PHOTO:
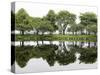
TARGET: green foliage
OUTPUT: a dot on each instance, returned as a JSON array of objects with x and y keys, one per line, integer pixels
[
  {"x": 46, "y": 52},
  {"x": 45, "y": 26},
  {"x": 25, "y": 53},
  {"x": 56, "y": 37},
  {"x": 22, "y": 20},
  {"x": 88, "y": 55},
  {"x": 52, "y": 22},
  {"x": 41, "y": 25},
  {"x": 74, "y": 28},
  {"x": 66, "y": 17},
  {"x": 51, "y": 17},
  {"x": 63, "y": 19},
  {"x": 65, "y": 58},
  {"x": 88, "y": 18},
  {"x": 52, "y": 53},
  {"x": 92, "y": 28}
]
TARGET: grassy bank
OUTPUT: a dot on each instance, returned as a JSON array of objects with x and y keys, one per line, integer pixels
[{"x": 56, "y": 37}]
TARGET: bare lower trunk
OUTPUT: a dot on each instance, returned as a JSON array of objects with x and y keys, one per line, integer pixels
[
  {"x": 22, "y": 43},
  {"x": 22, "y": 32},
  {"x": 37, "y": 43},
  {"x": 89, "y": 44},
  {"x": 63, "y": 32},
  {"x": 37, "y": 32}
]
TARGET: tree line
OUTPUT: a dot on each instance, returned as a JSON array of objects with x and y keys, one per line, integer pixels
[
  {"x": 63, "y": 21},
  {"x": 56, "y": 53}
]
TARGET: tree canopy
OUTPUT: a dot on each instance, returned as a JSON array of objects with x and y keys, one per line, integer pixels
[
  {"x": 65, "y": 18},
  {"x": 52, "y": 22},
  {"x": 22, "y": 20}
]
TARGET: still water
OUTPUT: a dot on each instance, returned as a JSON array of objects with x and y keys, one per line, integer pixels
[{"x": 38, "y": 56}]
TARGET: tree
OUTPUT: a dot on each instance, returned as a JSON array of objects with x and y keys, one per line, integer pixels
[
  {"x": 46, "y": 52},
  {"x": 36, "y": 22},
  {"x": 41, "y": 25},
  {"x": 64, "y": 18},
  {"x": 22, "y": 21},
  {"x": 51, "y": 17},
  {"x": 80, "y": 28},
  {"x": 88, "y": 55},
  {"x": 92, "y": 29},
  {"x": 88, "y": 19},
  {"x": 74, "y": 28},
  {"x": 45, "y": 26}
]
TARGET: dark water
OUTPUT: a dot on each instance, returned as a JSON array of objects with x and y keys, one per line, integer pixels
[{"x": 36, "y": 56}]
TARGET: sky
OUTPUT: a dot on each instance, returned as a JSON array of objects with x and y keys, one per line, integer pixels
[{"x": 36, "y": 9}]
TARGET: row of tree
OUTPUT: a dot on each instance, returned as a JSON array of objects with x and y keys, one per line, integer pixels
[
  {"x": 56, "y": 53},
  {"x": 63, "y": 21}
]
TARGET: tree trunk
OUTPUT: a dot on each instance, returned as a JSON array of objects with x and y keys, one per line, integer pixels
[
  {"x": 89, "y": 44},
  {"x": 37, "y": 32},
  {"x": 22, "y": 43},
  {"x": 37, "y": 43},
  {"x": 42, "y": 42},
  {"x": 81, "y": 44},
  {"x": 50, "y": 42},
  {"x": 64, "y": 47},
  {"x": 73, "y": 33},
  {"x": 22, "y": 32},
  {"x": 95, "y": 44},
  {"x": 42, "y": 33},
  {"x": 88, "y": 33},
  {"x": 63, "y": 31}
]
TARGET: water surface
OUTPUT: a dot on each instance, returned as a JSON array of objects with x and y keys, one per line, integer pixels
[{"x": 37, "y": 56}]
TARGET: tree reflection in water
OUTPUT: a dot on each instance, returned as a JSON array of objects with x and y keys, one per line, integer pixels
[
  {"x": 57, "y": 53},
  {"x": 88, "y": 55}
]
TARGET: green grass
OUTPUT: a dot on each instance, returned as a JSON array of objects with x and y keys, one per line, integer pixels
[{"x": 56, "y": 37}]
